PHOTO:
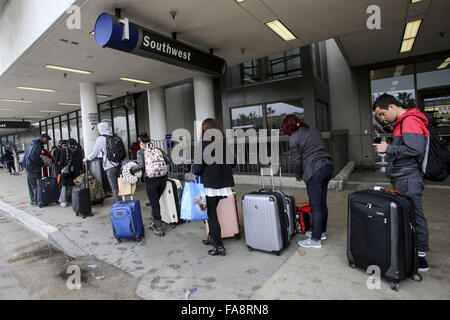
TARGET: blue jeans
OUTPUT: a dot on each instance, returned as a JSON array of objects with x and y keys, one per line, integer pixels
[{"x": 317, "y": 188}]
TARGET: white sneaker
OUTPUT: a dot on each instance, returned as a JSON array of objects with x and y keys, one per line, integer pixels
[
  {"x": 309, "y": 235},
  {"x": 309, "y": 243},
  {"x": 64, "y": 205}
]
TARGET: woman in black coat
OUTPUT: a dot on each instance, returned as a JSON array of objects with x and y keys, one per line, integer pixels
[
  {"x": 218, "y": 181},
  {"x": 72, "y": 155}
]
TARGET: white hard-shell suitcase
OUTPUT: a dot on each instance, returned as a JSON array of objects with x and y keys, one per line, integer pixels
[
  {"x": 170, "y": 202},
  {"x": 266, "y": 222}
]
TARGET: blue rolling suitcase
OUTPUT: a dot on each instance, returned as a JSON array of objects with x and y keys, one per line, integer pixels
[
  {"x": 47, "y": 190},
  {"x": 126, "y": 220}
]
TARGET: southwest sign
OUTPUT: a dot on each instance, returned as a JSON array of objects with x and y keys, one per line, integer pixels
[
  {"x": 14, "y": 125},
  {"x": 115, "y": 33}
]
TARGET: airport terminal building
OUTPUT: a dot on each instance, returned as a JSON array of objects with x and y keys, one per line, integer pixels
[{"x": 157, "y": 66}]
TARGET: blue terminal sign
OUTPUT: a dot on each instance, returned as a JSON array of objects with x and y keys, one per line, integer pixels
[{"x": 120, "y": 34}]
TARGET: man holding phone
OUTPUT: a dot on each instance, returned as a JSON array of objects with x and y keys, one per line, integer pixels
[{"x": 406, "y": 154}]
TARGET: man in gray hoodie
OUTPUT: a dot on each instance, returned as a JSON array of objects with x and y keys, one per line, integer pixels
[{"x": 112, "y": 168}]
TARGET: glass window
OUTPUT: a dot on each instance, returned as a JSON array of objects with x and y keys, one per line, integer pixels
[
  {"x": 433, "y": 74},
  {"x": 65, "y": 128},
  {"x": 250, "y": 72},
  {"x": 105, "y": 112},
  {"x": 73, "y": 129},
  {"x": 132, "y": 125},
  {"x": 120, "y": 124},
  {"x": 80, "y": 126},
  {"x": 57, "y": 126},
  {"x": 247, "y": 117},
  {"x": 276, "y": 112},
  {"x": 50, "y": 132},
  {"x": 285, "y": 64}
]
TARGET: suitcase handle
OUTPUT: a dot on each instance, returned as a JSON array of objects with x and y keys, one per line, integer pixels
[{"x": 262, "y": 167}]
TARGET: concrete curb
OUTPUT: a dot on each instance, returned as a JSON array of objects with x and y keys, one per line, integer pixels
[
  {"x": 341, "y": 178},
  {"x": 53, "y": 235}
]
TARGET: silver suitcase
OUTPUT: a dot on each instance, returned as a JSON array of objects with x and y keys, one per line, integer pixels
[{"x": 266, "y": 223}]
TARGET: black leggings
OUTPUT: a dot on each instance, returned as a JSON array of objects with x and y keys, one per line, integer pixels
[
  {"x": 214, "y": 227},
  {"x": 155, "y": 188}
]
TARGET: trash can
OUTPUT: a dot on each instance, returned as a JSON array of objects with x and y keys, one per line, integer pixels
[{"x": 96, "y": 167}]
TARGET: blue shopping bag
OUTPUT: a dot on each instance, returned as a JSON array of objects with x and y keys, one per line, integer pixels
[{"x": 193, "y": 201}]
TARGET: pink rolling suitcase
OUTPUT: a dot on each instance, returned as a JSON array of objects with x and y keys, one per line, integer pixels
[{"x": 228, "y": 218}]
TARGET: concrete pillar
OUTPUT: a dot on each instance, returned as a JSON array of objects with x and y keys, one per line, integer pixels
[
  {"x": 157, "y": 114},
  {"x": 204, "y": 102},
  {"x": 89, "y": 115}
]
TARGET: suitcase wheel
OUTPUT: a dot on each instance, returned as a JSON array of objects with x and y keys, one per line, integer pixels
[
  {"x": 352, "y": 265},
  {"x": 119, "y": 240},
  {"x": 278, "y": 253},
  {"x": 174, "y": 226},
  {"x": 138, "y": 239},
  {"x": 237, "y": 237},
  {"x": 250, "y": 249},
  {"x": 417, "y": 277},
  {"x": 395, "y": 285}
]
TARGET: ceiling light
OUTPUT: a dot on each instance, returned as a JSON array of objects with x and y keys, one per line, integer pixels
[
  {"x": 407, "y": 45},
  {"x": 49, "y": 111},
  {"x": 69, "y": 104},
  {"x": 279, "y": 28},
  {"x": 33, "y": 116},
  {"x": 36, "y": 89},
  {"x": 5, "y": 109},
  {"x": 412, "y": 28},
  {"x": 92, "y": 32},
  {"x": 447, "y": 60},
  {"x": 13, "y": 100},
  {"x": 49, "y": 66},
  {"x": 414, "y": 1},
  {"x": 239, "y": 1},
  {"x": 134, "y": 80}
]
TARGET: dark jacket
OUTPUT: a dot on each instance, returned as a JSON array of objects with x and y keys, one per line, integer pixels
[
  {"x": 408, "y": 147},
  {"x": 308, "y": 153},
  {"x": 8, "y": 156},
  {"x": 141, "y": 161},
  {"x": 32, "y": 157},
  {"x": 215, "y": 176},
  {"x": 77, "y": 165},
  {"x": 57, "y": 153}
]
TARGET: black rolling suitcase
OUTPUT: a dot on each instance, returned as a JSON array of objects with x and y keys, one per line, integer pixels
[
  {"x": 81, "y": 199},
  {"x": 381, "y": 232},
  {"x": 47, "y": 190}
]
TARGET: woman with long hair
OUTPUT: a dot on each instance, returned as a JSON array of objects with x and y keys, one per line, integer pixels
[
  {"x": 154, "y": 186},
  {"x": 217, "y": 177},
  {"x": 314, "y": 165}
]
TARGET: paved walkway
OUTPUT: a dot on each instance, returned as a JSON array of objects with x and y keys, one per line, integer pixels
[{"x": 166, "y": 267}]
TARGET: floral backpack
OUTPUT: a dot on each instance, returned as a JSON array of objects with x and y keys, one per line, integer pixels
[{"x": 155, "y": 166}]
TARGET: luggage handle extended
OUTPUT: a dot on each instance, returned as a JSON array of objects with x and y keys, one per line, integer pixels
[
  {"x": 262, "y": 167},
  {"x": 48, "y": 172},
  {"x": 86, "y": 182}
]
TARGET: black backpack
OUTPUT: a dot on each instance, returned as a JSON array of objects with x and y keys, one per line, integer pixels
[
  {"x": 115, "y": 149},
  {"x": 435, "y": 165}
]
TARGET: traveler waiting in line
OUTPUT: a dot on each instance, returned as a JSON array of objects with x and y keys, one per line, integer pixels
[
  {"x": 8, "y": 158},
  {"x": 218, "y": 181},
  {"x": 72, "y": 157},
  {"x": 314, "y": 165},
  {"x": 156, "y": 185},
  {"x": 32, "y": 164},
  {"x": 406, "y": 154},
  {"x": 57, "y": 154},
  {"x": 112, "y": 168}
]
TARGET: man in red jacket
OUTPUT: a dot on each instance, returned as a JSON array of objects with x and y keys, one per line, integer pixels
[{"x": 406, "y": 154}]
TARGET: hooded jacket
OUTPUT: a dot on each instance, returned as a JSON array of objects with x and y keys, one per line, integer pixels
[
  {"x": 407, "y": 150},
  {"x": 100, "y": 146},
  {"x": 32, "y": 157}
]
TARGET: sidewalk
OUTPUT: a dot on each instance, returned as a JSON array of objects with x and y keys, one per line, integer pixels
[{"x": 166, "y": 267}]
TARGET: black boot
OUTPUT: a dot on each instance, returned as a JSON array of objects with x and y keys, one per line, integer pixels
[
  {"x": 157, "y": 228},
  {"x": 218, "y": 249},
  {"x": 207, "y": 241}
]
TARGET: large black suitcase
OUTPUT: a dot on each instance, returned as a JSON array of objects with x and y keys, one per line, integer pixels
[
  {"x": 81, "y": 199},
  {"x": 47, "y": 190},
  {"x": 381, "y": 232}
]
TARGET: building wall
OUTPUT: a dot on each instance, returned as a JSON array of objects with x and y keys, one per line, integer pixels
[
  {"x": 142, "y": 113},
  {"x": 180, "y": 107},
  {"x": 349, "y": 104}
]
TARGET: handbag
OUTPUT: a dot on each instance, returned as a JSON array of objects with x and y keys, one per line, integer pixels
[
  {"x": 193, "y": 201},
  {"x": 65, "y": 171}
]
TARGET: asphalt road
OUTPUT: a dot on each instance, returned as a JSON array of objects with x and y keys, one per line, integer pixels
[{"x": 30, "y": 268}]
